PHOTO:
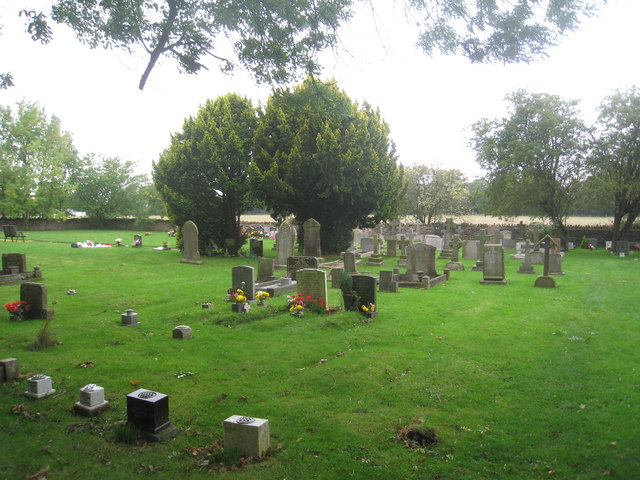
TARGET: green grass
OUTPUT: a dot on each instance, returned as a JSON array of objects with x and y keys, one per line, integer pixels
[{"x": 518, "y": 382}]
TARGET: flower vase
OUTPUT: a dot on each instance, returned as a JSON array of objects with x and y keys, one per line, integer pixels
[
  {"x": 370, "y": 314},
  {"x": 240, "y": 308},
  {"x": 262, "y": 302}
]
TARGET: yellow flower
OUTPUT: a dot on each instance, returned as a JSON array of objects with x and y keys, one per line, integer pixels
[
  {"x": 239, "y": 290},
  {"x": 364, "y": 308}
]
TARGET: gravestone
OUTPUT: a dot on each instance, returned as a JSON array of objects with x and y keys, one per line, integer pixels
[
  {"x": 403, "y": 244},
  {"x": 312, "y": 282},
  {"x": 555, "y": 263},
  {"x": 39, "y": 386},
  {"x": 129, "y": 318},
  {"x": 311, "y": 238},
  {"x": 149, "y": 411},
  {"x": 386, "y": 282},
  {"x": 545, "y": 280},
  {"x": 35, "y": 294},
  {"x": 421, "y": 260},
  {"x": 190, "y": 249},
  {"x": 298, "y": 263},
  {"x": 335, "y": 277},
  {"x": 137, "y": 241},
  {"x": 507, "y": 240},
  {"x": 622, "y": 246},
  {"x": 265, "y": 269},
  {"x": 246, "y": 436},
  {"x": 526, "y": 264},
  {"x": 366, "y": 244},
  {"x": 365, "y": 287},
  {"x": 433, "y": 240},
  {"x": 454, "y": 263},
  {"x": 243, "y": 277},
  {"x": 349, "y": 260},
  {"x": 446, "y": 239},
  {"x": 376, "y": 257},
  {"x": 392, "y": 247},
  {"x": 256, "y": 247},
  {"x": 182, "y": 332},
  {"x": 285, "y": 240},
  {"x": 482, "y": 241},
  {"x": 493, "y": 270},
  {"x": 13, "y": 263},
  {"x": 91, "y": 402},
  {"x": 470, "y": 249},
  {"x": 9, "y": 369}
]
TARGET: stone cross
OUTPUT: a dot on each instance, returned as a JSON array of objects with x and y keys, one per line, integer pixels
[
  {"x": 449, "y": 225},
  {"x": 536, "y": 236},
  {"x": 547, "y": 243},
  {"x": 403, "y": 243},
  {"x": 482, "y": 237},
  {"x": 455, "y": 248},
  {"x": 377, "y": 243}
]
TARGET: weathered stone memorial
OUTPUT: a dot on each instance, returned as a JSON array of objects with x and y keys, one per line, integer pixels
[
  {"x": 555, "y": 263},
  {"x": 454, "y": 263},
  {"x": 256, "y": 247},
  {"x": 298, "y": 263},
  {"x": 482, "y": 240},
  {"x": 446, "y": 239},
  {"x": 285, "y": 241},
  {"x": 366, "y": 244},
  {"x": 433, "y": 240},
  {"x": 243, "y": 277},
  {"x": 403, "y": 244},
  {"x": 336, "y": 273},
  {"x": 190, "y": 248},
  {"x": 265, "y": 269},
  {"x": 182, "y": 332},
  {"x": 349, "y": 260},
  {"x": 246, "y": 436},
  {"x": 365, "y": 288},
  {"x": 311, "y": 230},
  {"x": 386, "y": 282},
  {"x": 545, "y": 280},
  {"x": 9, "y": 369},
  {"x": 470, "y": 249},
  {"x": 526, "y": 266},
  {"x": 392, "y": 247},
  {"x": 35, "y": 294},
  {"x": 376, "y": 256},
  {"x": 149, "y": 411},
  {"x": 39, "y": 386},
  {"x": 493, "y": 269},
  {"x": 312, "y": 282},
  {"x": 129, "y": 318},
  {"x": 92, "y": 402}
]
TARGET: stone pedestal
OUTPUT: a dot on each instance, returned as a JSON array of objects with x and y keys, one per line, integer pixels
[
  {"x": 182, "y": 332},
  {"x": 240, "y": 308},
  {"x": 92, "y": 402},
  {"x": 9, "y": 369},
  {"x": 149, "y": 410},
  {"x": 39, "y": 386},
  {"x": 246, "y": 435},
  {"x": 129, "y": 318}
]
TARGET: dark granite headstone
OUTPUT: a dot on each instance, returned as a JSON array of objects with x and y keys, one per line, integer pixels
[
  {"x": 298, "y": 263},
  {"x": 148, "y": 410},
  {"x": 14, "y": 263},
  {"x": 243, "y": 276},
  {"x": 365, "y": 287},
  {"x": 35, "y": 294},
  {"x": 256, "y": 247}
]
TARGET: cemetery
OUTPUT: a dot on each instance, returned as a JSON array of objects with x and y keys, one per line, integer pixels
[{"x": 173, "y": 364}]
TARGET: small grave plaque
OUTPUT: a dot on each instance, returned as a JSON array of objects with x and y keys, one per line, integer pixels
[
  {"x": 248, "y": 436},
  {"x": 129, "y": 318},
  {"x": 92, "y": 401},
  {"x": 9, "y": 369},
  {"x": 39, "y": 386},
  {"x": 182, "y": 332},
  {"x": 148, "y": 410}
]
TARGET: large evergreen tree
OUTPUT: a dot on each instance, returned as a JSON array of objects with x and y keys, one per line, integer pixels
[
  {"x": 320, "y": 155},
  {"x": 203, "y": 177}
]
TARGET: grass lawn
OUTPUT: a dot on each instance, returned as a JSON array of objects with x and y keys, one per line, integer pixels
[{"x": 518, "y": 382}]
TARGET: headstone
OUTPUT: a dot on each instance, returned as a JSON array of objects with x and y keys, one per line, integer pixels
[
  {"x": 149, "y": 410},
  {"x": 137, "y": 241},
  {"x": 298, "y": 263},
  {"x": 392, "y": 250},
  {"x": 256, "y": 247},
  {"x": 246, "y": 436},
  {"x": 623, "y": 246},
  {"x": 386, "y": 282},
  {"x": 526, "y": 264},
  {"x": 335, "y": 277},
  {"x": 421, "y": 260},
  {"x": 365, "y": 287},
  {"x": 182, "y": 332},
  {"x": 129, "y": 318},
  {"x": 311, "y": 238},
  {"x": 376, "y": 257},
  {"x": 454, "y": 263},
  {"x": 39, "y": 386},
  {"x": 14, "y": 263},
  {"x": 91, "y": 402},
  {"x": 493, "y": 269},
  {"x": 349, "y": 260},
  {"x": 482, "y": 239},
  {"x": 312, "y": 282},
  {"x": 35, "y": 294},
  {"x": 9, "y": 369},
  {"x": 285, "y": 240},
  {"x": 433, "y": 240},
  {"x": 243, "y": 277},
  {"x": 545, "y": 280},
  {"x": 265, "y": 269},
  {"x": 403, "y": 244},
  {"x": 190, "y": 249},
  {"x": 366, "y": 244},
  {"x": 555, "y": 263},
  {"x": 446, "y": 239},
  {"x": 470, "y": 249}
]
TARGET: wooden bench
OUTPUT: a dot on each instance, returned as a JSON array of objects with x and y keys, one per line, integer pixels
[{"x": 11, "y": 232}]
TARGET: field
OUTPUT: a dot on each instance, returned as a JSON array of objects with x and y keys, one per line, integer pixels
[{"x": 517, "y": 382}]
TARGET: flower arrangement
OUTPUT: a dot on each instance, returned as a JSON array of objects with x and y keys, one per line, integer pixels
[
  {"x": 262, "y": 297},
  {"x": 17, "y": 309},
  {"x": 297, "y": 303},
  {"x": 368, "y": 308},
  {"x": 257, "y": 234},
  {"x": 236, "y": 295}
]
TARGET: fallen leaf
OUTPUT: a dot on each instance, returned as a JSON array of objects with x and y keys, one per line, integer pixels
[
  {"x": 135, "y": 383},
  {"x": 582, "y": 405}
]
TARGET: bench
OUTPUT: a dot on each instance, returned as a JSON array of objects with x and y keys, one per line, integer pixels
[{"x": 11, "y": 232}]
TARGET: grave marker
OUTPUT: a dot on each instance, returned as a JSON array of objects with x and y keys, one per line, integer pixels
[
  {"x": 39, "y": 386},
  {"x": 35, "y": 294},
  {"x": 298, "y": 263},
  {"x": 246, "y": 436},
  {"x": 190, "y": 249},
  {"x": 311, "y": 238},
  {"x": 9, "y": 369},
  {"x": 243, "y": 277},
  {"x": 493, "y": 269},
  {"x": 312, "y": 282},
  {"x": 544, "y": 280},
  {"x": 91, "y": 402},
  {"x": 149, "y": 410},
  {"x": 285, "y": 240}
]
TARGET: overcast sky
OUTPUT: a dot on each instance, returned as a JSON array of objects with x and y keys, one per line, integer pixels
[{"x": 429, "y": 103}]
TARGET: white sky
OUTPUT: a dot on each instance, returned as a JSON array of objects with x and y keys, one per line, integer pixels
[{"x": 429, "y": 103}]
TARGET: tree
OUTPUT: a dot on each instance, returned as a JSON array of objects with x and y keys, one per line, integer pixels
[
  {"x": 107, "y": 188},
  {"x": 37, "y": 163},
  {"x": 278, "y": 40},
  {"x": 616, "y": 160},
  {"x": 434, "y": 192},
  {"x": 320, "y": 155},
  {"x": 203, "y": 177},
  {"x": 534, "y": 158}
]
